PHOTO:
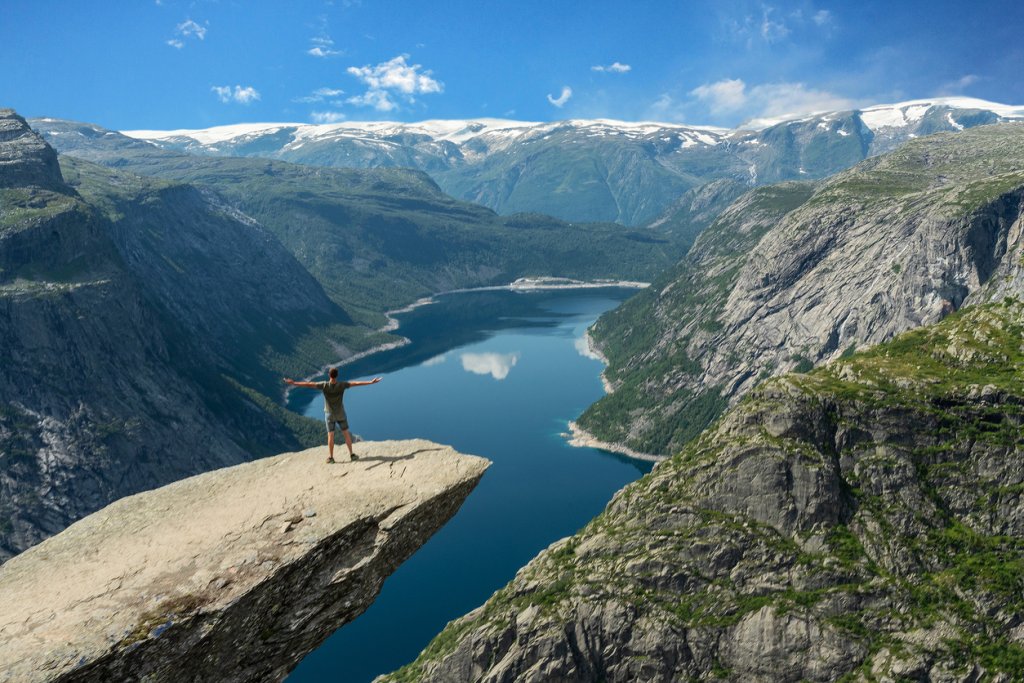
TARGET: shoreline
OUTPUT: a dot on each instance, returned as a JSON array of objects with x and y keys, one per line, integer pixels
[
  {"x": 523, "y": 284},
  {"x": 578, "y": 437},
  {"x": 581, "y": 438},
  {"x": 592, "y": 348}
]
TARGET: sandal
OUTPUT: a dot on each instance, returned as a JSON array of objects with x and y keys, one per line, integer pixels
[{"x": 330, "y": 461}]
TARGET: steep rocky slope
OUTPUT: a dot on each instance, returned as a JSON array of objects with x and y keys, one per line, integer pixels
[
  {"x": 232, "y": 575},
  {"x": 381, "y": 238},
  {"x": 109, "y": 383},
  {"x": 860, "y": 522},
  {"x": 593, "y": 170},
  {"x": 787, "y": 278}
]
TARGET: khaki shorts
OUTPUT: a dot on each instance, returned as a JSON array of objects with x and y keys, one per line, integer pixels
[{"x": 331, "y": 421}]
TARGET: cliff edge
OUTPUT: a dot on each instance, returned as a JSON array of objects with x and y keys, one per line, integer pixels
[{"x": 231, "y": 575}]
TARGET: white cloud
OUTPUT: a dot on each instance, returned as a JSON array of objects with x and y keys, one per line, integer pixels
[
  {"x": 723, "y": 96},
  {"x": 822, "y": 17},
  {"x": 190, "y": 28},
  {"x": 561, "y": 99},
  {"x": 396, "y": 74},
  {"x": 772, "y": 31},
  {"x": 322, "y": 52},
  {"x": 326, "y": 116},
  {"x": 959, "y": 85},
  {"x": 185, "y": 30},
  {"x": 319, "y": 95},
  {"x": 497, "y": 365},
  {"x": 614, "y": 68},
  {"x": 246, "y": 95},
  {"x": 378, "y": 99},
  {"x": 763, "y": 104},
  {"x": 436, "y": 360},
  {"x": 393, "y": 77}
]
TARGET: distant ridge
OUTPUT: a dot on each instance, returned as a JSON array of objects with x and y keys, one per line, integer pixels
[
  {"x": 460, "y": 130},
  {"x": 630, "y": 172}
]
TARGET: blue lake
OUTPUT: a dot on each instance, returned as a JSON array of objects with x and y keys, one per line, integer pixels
[{"x": 497, "y": 374}]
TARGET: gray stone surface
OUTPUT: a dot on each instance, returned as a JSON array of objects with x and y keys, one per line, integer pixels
[
  {"x": 225, "y": 576},
  {"x": 25, "y": 159}
]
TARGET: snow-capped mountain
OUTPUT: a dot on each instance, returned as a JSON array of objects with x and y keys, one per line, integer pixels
[{"x": 599, "y": 169}]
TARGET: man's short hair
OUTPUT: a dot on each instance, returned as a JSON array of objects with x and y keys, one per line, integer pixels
[{"x": 333, "y": 374}]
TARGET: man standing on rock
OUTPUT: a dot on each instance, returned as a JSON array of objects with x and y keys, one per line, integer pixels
[{"x": 334, "y": 410}]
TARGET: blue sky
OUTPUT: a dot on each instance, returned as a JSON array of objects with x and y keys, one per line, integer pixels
[{"x": 198, "y": 63}]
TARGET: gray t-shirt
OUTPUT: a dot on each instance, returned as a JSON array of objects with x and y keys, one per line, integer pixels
[{"x": 333, "y": 392}]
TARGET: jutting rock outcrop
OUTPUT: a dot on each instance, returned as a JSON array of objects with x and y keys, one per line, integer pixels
[
  {"x": 864, "y": 521},
  {"x": 231, "y": 575}
]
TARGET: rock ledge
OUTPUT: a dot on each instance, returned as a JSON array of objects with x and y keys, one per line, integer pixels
[{"x": 231, "y": 575}]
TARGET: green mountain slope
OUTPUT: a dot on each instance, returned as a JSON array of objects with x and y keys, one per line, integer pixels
[
  {"x": 860, "y": 522},
  {"x": 381, "y": 238},
  {"x": 787, "y": 278}
]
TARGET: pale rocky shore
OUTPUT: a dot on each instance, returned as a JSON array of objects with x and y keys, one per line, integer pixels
[
  {"x": 231, "y": 575},
  {"x": 581, "y": 438}
]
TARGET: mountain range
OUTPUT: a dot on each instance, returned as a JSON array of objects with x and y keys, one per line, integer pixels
[{"x": 593, "y": 170}]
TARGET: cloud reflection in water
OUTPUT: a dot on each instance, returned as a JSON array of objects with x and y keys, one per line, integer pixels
[{"x": 497, "y": 365}]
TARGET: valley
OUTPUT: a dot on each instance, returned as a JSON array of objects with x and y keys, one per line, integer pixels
[{"x": 825, "y": 361}]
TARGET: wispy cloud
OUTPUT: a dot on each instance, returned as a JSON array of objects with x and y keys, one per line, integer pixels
[
  {"x": 186, "y": 30},
  {"x": 775, "y": 27},
  {"x": 958, "y": 86},
  {"x": 723, "y": 96},
  {"x": 322, "y": 46},
  {"x": 320, "y": 95},
  {"x": 378, "y": 99},
  {"x": 327, "y": 116},
  {"x": 772, "y": 30},
  {"x": 239, "y": 94},
  {"x": 762, "y": 104},
  {"x": 561, "y": 99},
  {"x": 613, "y": 68},
  {"x": 394, "y": 78}
]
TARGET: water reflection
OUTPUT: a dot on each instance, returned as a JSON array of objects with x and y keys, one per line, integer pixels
[
  {"x": 436, "y": 360},
  {"x": 497, "y": 365},
  {"x": 582, "y": 345}
]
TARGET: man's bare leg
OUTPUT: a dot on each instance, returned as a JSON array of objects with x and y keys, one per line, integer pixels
[
  {"x": 330, "y": 445},
  {"x": 348, "y": 442}
]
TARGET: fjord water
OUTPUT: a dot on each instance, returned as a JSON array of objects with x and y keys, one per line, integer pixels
[{"x": 497, "y": 374}]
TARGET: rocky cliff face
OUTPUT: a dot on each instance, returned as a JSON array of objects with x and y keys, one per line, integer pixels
[
  {"x": 232, "y": 575},
  {"x": 790, "y": 279},
  {"x": 27, "y": 159},
  {"x": 119, "y": 368},
  {"x": 860, "y": 522}
]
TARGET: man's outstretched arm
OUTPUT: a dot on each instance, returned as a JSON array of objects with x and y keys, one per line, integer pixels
[
  {"x": 366, "y": 383},
  {"x": 310, "y": 385}
]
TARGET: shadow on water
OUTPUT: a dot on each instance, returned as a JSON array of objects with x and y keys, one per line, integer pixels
[{"x": 498, "y": 374}]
